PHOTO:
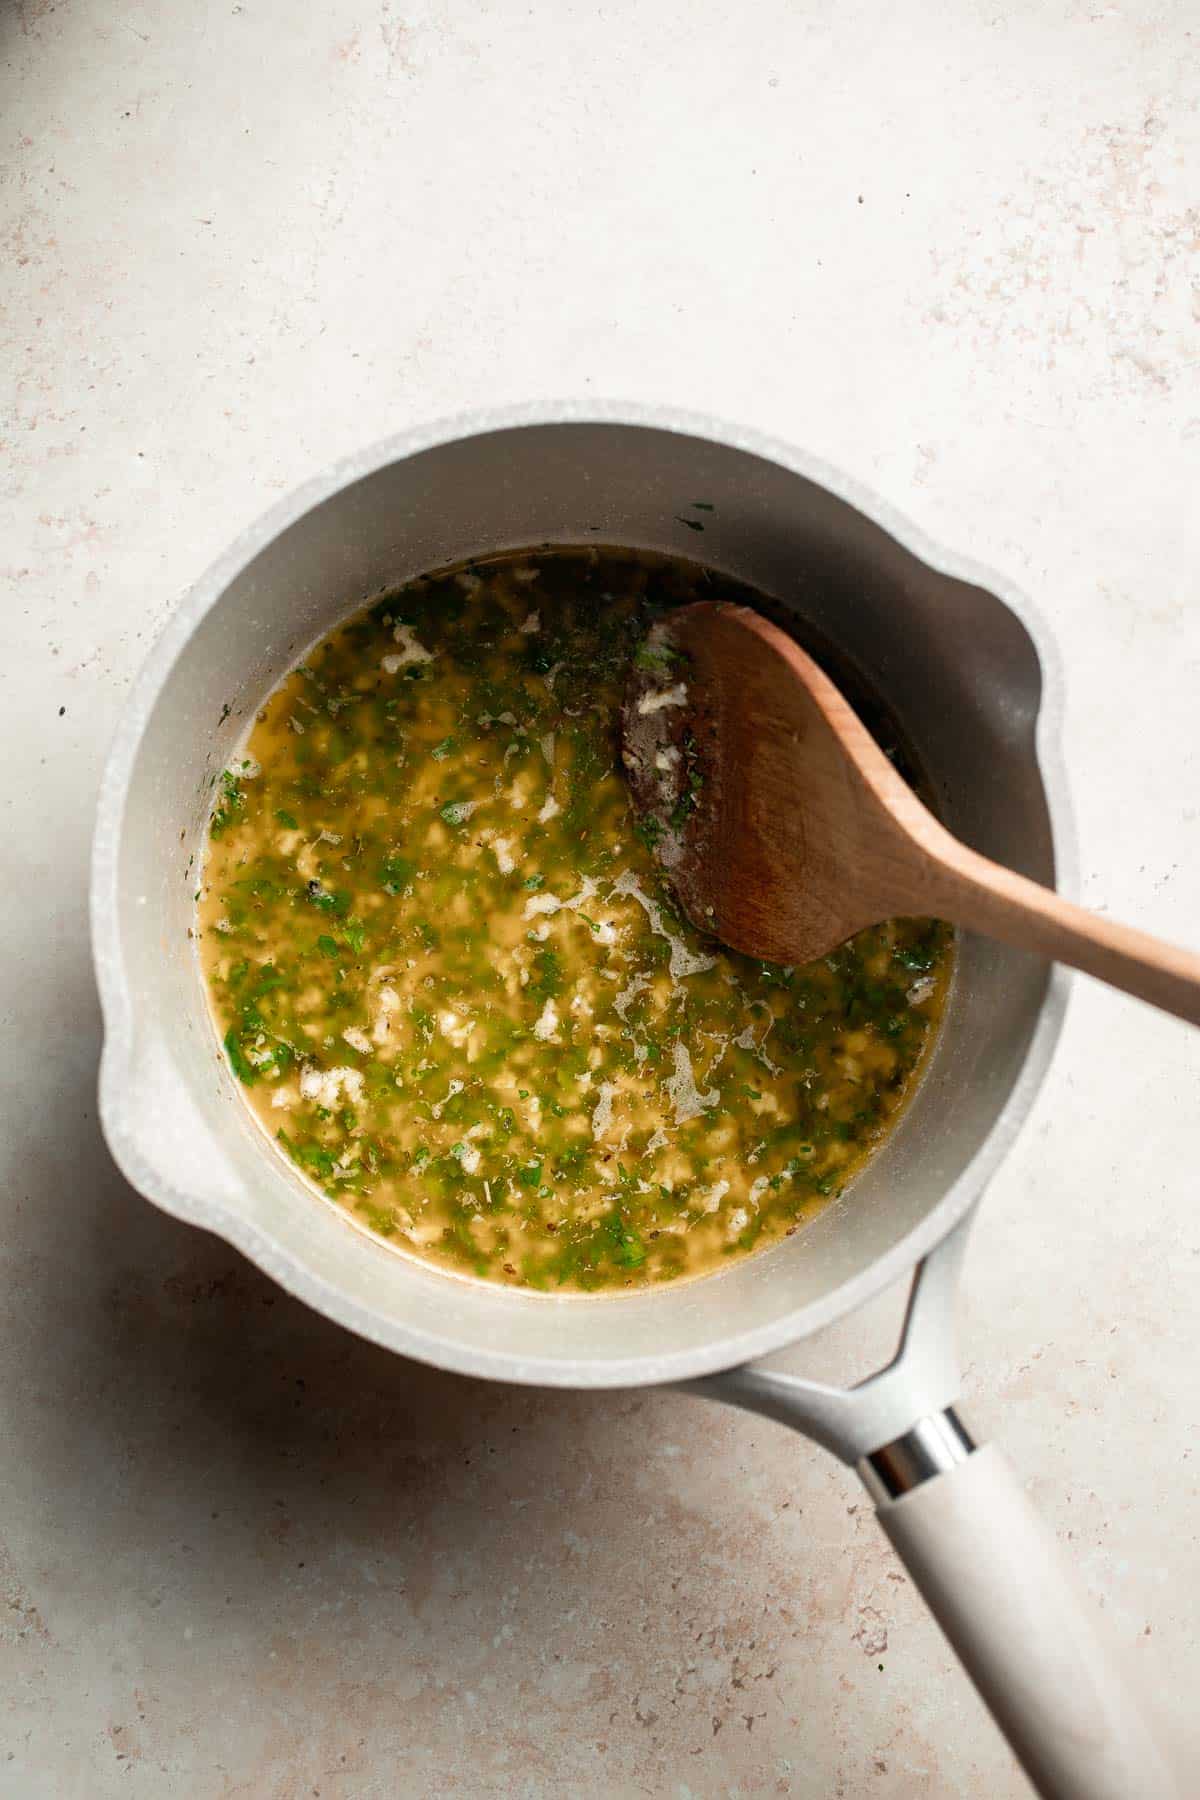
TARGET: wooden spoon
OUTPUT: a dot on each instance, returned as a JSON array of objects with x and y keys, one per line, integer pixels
[{"x": 785, "y": 829}]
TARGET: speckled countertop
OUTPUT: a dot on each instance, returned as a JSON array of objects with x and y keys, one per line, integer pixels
[{"x": 953, "y": 251}]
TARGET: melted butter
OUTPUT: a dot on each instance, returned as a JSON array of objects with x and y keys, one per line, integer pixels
[{"x": 453, "y": 983}]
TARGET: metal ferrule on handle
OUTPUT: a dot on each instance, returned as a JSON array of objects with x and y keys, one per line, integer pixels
[{"x": 933, "y": 1446}]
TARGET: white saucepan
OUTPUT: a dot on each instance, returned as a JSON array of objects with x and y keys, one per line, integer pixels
[{"x": 972, "y": 680}]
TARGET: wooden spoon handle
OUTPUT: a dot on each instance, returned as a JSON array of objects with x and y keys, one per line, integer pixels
[{"x": 972, "y": 891}]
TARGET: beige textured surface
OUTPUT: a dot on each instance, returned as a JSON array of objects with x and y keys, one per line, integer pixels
[{"x": 954, "y": 251}]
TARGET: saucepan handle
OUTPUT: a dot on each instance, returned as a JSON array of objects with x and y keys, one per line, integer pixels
[{"x": 1030, "y": 1639}]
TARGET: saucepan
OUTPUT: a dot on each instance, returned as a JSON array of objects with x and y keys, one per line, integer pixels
[{"x": 972, "y": 680}]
